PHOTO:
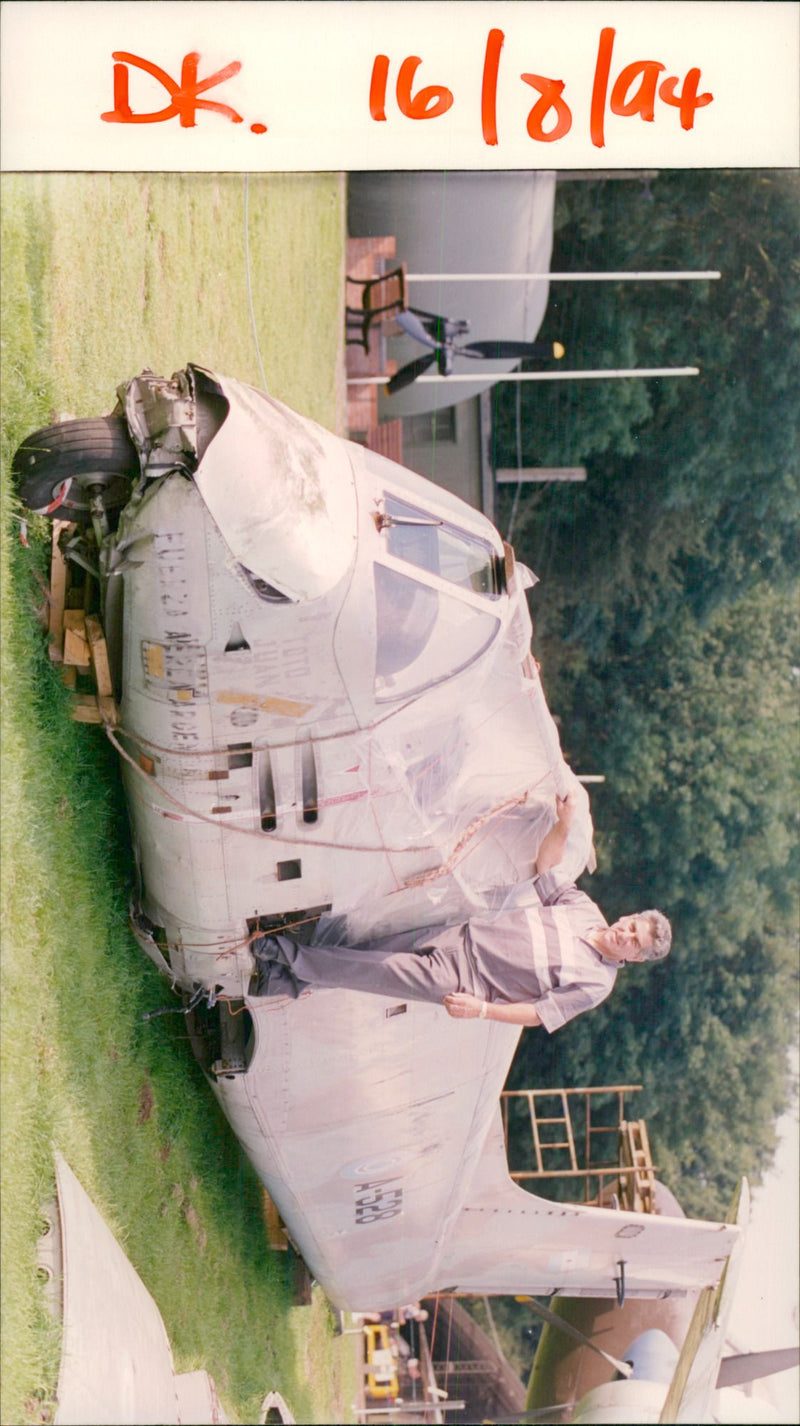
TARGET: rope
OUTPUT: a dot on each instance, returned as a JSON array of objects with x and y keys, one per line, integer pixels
[
  {"x": 425, "y": 876},
  {"x": 196, "y": 816},
  {"x": 432, "y": 874},
  {"x": 247, "y": 274},
  {"x": 144, "y": 742},
  {"x": 229, "y": 948},
  {"x": 447, "y": 1357}
]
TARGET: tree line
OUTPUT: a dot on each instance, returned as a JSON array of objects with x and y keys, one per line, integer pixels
[{"x": 667, "y": 622}]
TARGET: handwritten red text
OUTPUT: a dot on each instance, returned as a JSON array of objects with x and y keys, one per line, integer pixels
[
  {"x": 184, "y": 98},
  {"x": 627, "y": 100},
  {"x": 427, "y": 103},
  {"x": 636, "y": 89}
]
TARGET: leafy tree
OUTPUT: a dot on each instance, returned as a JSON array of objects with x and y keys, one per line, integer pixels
[{"x": 669, "y": 628}]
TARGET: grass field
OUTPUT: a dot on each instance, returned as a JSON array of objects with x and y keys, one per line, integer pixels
[{"x": 102, "y": 276}]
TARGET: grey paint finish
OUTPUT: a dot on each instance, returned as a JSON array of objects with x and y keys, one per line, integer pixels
[
  {"x": 116, "y": 1361},
  {"x": 437, "y": 763}
]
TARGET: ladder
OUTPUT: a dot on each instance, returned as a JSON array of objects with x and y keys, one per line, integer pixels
[
  {"x": 637, "y": 1186},
  {"x": 558, "y": 1152}
]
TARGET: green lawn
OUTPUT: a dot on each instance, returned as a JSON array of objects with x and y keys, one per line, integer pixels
[{"x": 102, "y": 276}]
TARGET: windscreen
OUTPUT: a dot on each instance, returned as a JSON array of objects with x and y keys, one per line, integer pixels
[
  {"x": 422, "y": 540},
  {"x": 423, "y": 636}
]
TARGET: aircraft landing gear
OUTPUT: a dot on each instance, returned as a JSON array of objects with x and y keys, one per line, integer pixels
[{"x": 73, "y": 470}]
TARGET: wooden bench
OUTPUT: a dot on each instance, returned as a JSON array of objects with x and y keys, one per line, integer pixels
[
  {"x": 382, "y": 297},
  {"x": 371, "y": 262}
]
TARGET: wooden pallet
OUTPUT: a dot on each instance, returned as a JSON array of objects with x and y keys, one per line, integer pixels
[
  {"x": 637, "y": 1173},
  {"x": 77, "y": 640},
  {"x": 276, "y": 1232},
  {"x": 297, "y": 1274}
]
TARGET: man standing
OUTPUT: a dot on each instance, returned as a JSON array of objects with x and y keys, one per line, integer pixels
[{"x": 534, "y": 965}]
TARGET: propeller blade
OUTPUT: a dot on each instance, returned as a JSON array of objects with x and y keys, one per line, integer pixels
[
  {"x": 442, "y": 329},
  {"x": 503, "y": 350},
  {"x": 751, "y": 1366},
  {"x": 553, "y": 1320},
  {"x": 410, "y": 372},
  {"x": 413, "y": 327}
]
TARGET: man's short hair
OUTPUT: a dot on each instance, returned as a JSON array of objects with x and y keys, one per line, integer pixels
[{"x": 660, "y": 936}]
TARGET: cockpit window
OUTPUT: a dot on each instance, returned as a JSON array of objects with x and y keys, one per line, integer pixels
[
  {"x": 422, "y": 539},
  {"x": 423, "y": 636}
]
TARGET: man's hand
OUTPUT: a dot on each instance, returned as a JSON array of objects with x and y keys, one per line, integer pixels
[
  {"x": 552, "y": 849},
  {"x": 463, "y": 1006},
  {"x": 468, "y": 1007},
  {"x": 566, "y": 807}
]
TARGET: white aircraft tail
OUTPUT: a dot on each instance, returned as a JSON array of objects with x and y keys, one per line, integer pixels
[{"x": 508, "y": 1241}]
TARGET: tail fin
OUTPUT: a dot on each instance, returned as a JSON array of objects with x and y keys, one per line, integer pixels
[
  {"x": 506, "y": 1240},
  {"x": 697, "y": 1371}
]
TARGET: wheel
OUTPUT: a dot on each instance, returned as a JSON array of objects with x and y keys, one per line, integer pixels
[{"x": 58, "y": 470}]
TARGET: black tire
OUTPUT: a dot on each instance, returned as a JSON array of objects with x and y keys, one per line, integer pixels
[{"x": 94, "y": 455}]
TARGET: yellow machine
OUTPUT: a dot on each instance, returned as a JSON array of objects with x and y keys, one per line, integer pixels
[{"x": 381, "y": 1362}]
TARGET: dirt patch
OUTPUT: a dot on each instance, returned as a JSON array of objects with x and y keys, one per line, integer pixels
[
  {"x": 38, "y": 1408},
  {"x": 46, "y": 1053},
  {"x": 146, "y": 1103},
  {"x": 191, "y": 1216}
]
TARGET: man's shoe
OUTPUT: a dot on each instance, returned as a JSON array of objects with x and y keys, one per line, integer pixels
[{"x": 266, "y": 949}]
